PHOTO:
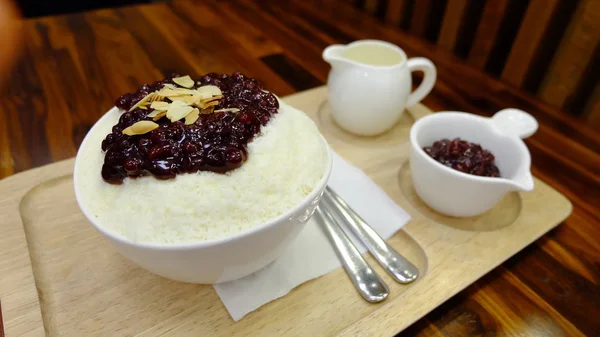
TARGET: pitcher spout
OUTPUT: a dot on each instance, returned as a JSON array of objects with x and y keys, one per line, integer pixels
[{"x": 333, "y": 54}]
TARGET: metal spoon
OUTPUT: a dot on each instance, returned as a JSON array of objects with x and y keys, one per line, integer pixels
[
  {"x": 396, "y": 265},
  {"x": 370, "y": 286}
]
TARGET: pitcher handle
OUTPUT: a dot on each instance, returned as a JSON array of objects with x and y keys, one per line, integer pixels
[{"x": 427, "y": 67}]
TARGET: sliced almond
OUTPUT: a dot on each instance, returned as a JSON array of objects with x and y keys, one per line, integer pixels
[
  {"x": 192, "y": 117},
  {"x": 200, "y": 103},
  {"x": 184, "y": 91},
  {"x": 210, "y": 89},
  {"x": 155, "y": 98},
  {"x": 185, "y": 98},
  {"x": 142, "y": 101},
  {"x": 169, "y": 86},
  {"x": 197, "y": 101},
  {"x": 206, "y": 105},
  {"x": 207, "y": 110},
  {"x": 178, "y": 110},
  {"x": 184, "y": 81},
  {"x": 203, "y": 95},
  {"x": 166, "y": 92},
  {"x": 153, "y": 113},
  {"x": 159, "y": 105},
  {"x": 211, "y": 103},
  {"x": 228, "y": 110},
  {"x": 140, "y": 128},
  {"x": 159, "y": 115},
  {"x": 214, "y": 98},
  {"x": 178, "y": 103},
  {"x": 208, "y": 101},
  {"x": 156, "y": 112}
]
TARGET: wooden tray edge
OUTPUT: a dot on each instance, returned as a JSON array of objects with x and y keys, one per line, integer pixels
[
  {"x": 387, "y": 316},
  {"x": 383, "y": 318}
]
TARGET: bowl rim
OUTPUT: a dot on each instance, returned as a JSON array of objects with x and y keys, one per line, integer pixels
[
  {"x": 208, "y": 243},
  {"x": 525, "y": 155}
]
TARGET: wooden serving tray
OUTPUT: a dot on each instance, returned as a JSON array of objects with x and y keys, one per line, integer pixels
[{"x": 59, "y": 277}]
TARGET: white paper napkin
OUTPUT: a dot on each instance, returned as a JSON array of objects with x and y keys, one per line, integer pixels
[{"x": 311, "y": 255}]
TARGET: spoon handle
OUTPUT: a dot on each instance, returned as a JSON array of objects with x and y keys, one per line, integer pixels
[
  {"x": 370, "y": 286},
  {"x": 396, "y": 265}
]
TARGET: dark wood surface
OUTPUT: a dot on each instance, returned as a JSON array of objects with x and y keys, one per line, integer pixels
[
  {"x": 74, "y": 66},
  {"x": 1, "y": 322},
  {"x": 550, "y": 48}
]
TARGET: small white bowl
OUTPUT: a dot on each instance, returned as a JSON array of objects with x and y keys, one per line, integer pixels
[
  {"x": 459, "y": 194},
  {"x": 223, "y": 259}
]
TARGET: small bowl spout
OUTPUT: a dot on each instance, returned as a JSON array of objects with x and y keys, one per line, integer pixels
[{"x": 523, "y": 181}]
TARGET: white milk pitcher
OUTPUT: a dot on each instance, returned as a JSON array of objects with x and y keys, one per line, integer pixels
[{"x": 370, "y": 84}]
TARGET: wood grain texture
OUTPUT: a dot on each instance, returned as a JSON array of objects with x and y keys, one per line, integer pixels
[
  {"x": 371, "y": 6},
  {"x": 592, "y": 109},
  {"x": 574, "y": 53},
  {"x": 74, "y": 67},
  {"x": 451, "y": 24},
  {"x": 71, "y": 261},
  {"x": 394, "y": 12},
  {"x": 1, "y": 321},
  {"x": 487, "y": 32},
  {"x": 481, "y": 88},
  {"x": 530, "y": 36},
  {"x": 515, "y": 41},
  {"x": 420, "y": 17}
]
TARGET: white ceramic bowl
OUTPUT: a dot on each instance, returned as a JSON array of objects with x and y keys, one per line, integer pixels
[
  {"x": 223, "y": 259},
  {"x": 459, "y": 194}
]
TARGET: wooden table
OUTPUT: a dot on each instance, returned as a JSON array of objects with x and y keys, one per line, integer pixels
[{"x": 74, "y": 66}]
